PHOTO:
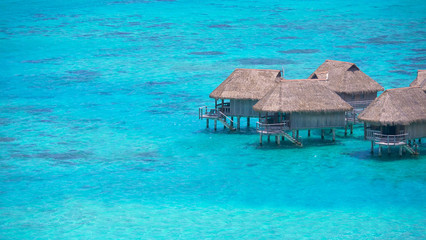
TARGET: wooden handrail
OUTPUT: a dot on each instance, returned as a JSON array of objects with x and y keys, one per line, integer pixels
[
  {"x": 390, "y": 139},
  {"x": 272, "y": 127},
  {"x": 221, "y": 114}
]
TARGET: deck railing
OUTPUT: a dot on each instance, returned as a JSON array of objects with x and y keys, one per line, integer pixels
[
  {"x": 205, "y": 111},
  {"x": 272, "y": 128},
  {"x": 384, "y": 139},
  {"x": 370, "y": 134},
  {"x": 352, "y": 116},
  {"x": 360, "y": 104}
]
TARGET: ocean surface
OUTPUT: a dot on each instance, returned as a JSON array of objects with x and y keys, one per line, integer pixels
[{"x": 100, "y": 136}]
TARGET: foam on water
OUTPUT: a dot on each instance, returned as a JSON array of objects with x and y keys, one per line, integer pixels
[{"x": 100, "y": 138}]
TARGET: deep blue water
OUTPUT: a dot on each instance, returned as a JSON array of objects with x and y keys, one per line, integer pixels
[{"x": 100, "y": 138}]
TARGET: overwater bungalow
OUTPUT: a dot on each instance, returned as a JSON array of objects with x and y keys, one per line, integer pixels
[
  {"x": 396, "y": 118},
  {"x": 294, "y": 105},
  {"x": 350, "y": 83},
  {"x": 236, "y": 96},
  {"x": 420, "y": 80}
]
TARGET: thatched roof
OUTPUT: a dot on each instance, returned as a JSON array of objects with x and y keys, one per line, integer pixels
[
  {"x": 399, "y": 106},
  {"x": 246, "y": 84},
  {"x": 301, "y": 96},
  {"x": 420, "y": 81},
  {"x": 345, "y": 77}
]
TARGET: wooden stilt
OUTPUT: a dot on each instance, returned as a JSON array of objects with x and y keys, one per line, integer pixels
[
  {"x": 400, "y": 151},
  {"x": 322, "y": 133},
  {"x": 292, "y": 134},
  {"x": 282, "y": 138},
  {"x": 248, "y": 121},
  {"x": 297, "y": 134},
  {"x": 260, "y": 139},
  {"x": 346, "y": 129},
  {"x": 207, "y": 123},
  {"x": 232, "y": 121},
  {"x": 334, "y": 134},
  {"x": 420, "y": 140},
  {"x": 309, "y": 133},
  {"x": 388, "y": 149},
  {"x": 278, "y": 140},
  {"x": 365, "y": 131},
  {"x": 352, "y": 128},
  {"x": 372, "y": 147},
  {"x": 238, "y": 123},
  {"x": 215, "y": 125},
  {"x": 269, "y": 138},
  {"x": 380, "y": 150}
]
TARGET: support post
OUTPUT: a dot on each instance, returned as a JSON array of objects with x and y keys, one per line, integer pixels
[
  {"x": 322, "y": 133},
  {"x": 400, "y": 151},
  {"x": 346, "y": 129},
  {"x": 372, "y": 147},
  {"x": 420, "y": 140},
  {"x": 365, "y": 131},
  {"x": 352, "y": 128},
  {"x": 278, "y": 140},
  {"x": 248, "y": 121},
  {"x": 309, "y": 133},
  {"x": 232, "y": 121},
  {"x": 269, "y": 138},
  {"x": 292, "y": 134},
  {"x": 297, "y": 134},
  {"x": 215, "y": 124},
  {"x": 380, "y": 150},
  {"x": 207, "y": 123},
  {"x": 260, "y": 139},
  {"x": 334, "y": 134},
  {"x": 388, "y": 149},
  {"x": 238, "y": 123}
]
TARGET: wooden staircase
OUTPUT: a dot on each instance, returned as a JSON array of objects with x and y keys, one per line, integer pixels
[
  {"x": 292, "y": 139},
  {"x": 410, "y": 150},
  {"x": 223, "y": 118}
]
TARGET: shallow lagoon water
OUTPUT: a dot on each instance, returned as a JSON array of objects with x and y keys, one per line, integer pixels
[{"x": 100, "y": 138}]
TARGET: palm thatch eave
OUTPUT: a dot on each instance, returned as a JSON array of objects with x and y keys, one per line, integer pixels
[
  {"x": 246, "y": 84},
  {"x": 301, "y": 96},
  {"x": 400, "y": 106}
]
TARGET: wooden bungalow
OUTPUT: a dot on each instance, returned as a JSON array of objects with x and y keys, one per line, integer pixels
[
  {"x": 350, "y": 83},
  {"x": 396, "y": 118},
  {"x": 293, "y": 105},
  {"x": 236, "y": 96},
  {"x": 420, "y": 81}
]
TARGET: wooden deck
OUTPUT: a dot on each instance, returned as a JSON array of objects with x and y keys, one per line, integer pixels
[
  {"x": 216, "y": 115},
  {"x": 278, "y": 130}
]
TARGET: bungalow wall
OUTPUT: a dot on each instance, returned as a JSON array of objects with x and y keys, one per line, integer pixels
[
  {"x": 242, "y": 108},
  {"x": 416, "y": 130},
  {"x": 317, "y": 120},
  {"x": 358, "y": 97}
]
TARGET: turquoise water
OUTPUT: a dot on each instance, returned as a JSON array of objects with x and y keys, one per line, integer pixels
[{"x": 100, "y": 137}]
